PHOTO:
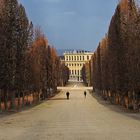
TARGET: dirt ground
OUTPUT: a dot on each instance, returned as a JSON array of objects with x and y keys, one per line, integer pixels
[{"x": 78, "y": 118}]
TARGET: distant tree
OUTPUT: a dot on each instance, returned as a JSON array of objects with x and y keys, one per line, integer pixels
[
  {"x": 39, "y": 63},
  {"x": 86, "y": 73}
]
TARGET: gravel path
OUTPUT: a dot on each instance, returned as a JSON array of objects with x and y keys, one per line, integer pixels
[{"x": 74, "y": 119}]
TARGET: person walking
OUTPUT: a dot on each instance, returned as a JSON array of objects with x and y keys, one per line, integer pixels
[
  {"x": 85, "y": 93},
  {"x": 67, "y": 94}
]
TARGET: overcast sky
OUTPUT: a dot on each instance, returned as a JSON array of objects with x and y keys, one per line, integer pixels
[{"x": 72, "y": 24}]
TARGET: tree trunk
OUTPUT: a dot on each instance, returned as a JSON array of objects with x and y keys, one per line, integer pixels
[
  {"x": 27, "y": 102},
  {"x": 134, "y": 100},
  {"x": 33, "y": 97},
  {"x": 5, "y": 99},
  {"x": 18, "y": 99},
  {"x": 0, "y": 100},
  {"x": 23, "y": 97},
  {"x": 111, "y": 97},
  {"x": 13, "y": 101},
  {"x": 38, "y": 96}
]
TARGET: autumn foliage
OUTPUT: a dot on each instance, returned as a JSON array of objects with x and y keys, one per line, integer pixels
[
  {"x": 86, "y": 74},
  {"x": 115, "y": 65},
  {"x": 30, "y": 69}
]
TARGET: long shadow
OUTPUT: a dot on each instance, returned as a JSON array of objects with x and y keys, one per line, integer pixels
[
  {"x": 26, "y": 108},
  {"x": 58, "y": 99},
  {"x": 116, "y": 108},
  {"x": 5, "y": 114}
]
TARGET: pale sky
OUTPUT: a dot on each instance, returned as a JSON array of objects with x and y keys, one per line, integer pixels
[{"x": 72, "y": 24}]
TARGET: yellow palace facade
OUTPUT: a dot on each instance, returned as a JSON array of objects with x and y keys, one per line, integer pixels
[{"x": 75, "y": 60}]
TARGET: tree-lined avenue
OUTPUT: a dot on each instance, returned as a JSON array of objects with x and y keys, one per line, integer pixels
[{"x": 78, "y": 118}]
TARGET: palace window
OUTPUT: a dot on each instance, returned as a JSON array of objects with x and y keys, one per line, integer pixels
[
  {"x": 80, "y": 58},
  {"x": 72, "y": 71},
  {"x": 69, "y": 58},
  {"x": 75, "y": 58},
  {"x": 78, "y": 72}
]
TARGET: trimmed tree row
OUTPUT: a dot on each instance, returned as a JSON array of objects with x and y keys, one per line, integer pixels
[
  {"x": 115, "y": 65},
  {"x": 30, "y": 69}
]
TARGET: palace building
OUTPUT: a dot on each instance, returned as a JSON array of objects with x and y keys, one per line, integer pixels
[{"x": 75, "y": 60}]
